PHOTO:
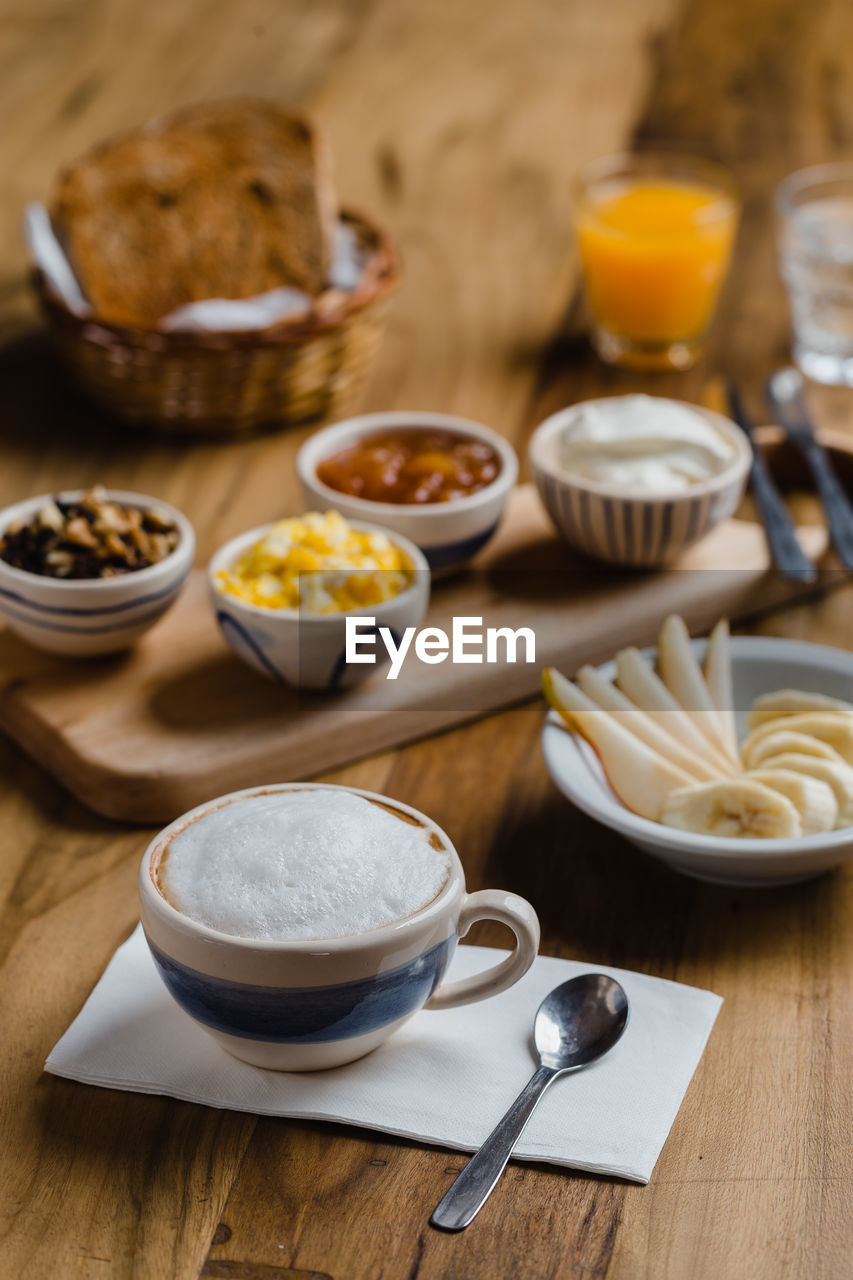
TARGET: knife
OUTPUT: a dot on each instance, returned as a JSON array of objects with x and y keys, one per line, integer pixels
[{"x": 788, "y": 556}]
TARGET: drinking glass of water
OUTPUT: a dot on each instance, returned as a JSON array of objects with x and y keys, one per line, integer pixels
[{"x": 815, "y": 210}]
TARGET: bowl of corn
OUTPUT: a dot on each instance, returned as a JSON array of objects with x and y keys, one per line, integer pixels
[{"x": 282, "y": 593}]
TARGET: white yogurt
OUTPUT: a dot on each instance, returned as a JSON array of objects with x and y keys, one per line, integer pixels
[
  {"x": 643, "y": 443},
  {"x": 301, "y": 864}
]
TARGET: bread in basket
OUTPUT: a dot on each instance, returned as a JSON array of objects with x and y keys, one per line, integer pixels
[{"x": 223, "y": 200}]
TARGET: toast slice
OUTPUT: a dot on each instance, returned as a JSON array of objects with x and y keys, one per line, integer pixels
[{"x": 221, "y": 200}]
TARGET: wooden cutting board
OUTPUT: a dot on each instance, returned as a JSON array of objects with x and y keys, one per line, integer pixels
[{"x": 143, "y": 736}]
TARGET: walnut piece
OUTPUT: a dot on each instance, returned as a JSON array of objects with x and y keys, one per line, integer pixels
[{"x": 90, "y": 537}]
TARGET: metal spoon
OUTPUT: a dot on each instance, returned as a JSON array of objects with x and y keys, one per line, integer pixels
[
  {"x": 786, "y": 395},
  {"x": 576, "y": 1023}
]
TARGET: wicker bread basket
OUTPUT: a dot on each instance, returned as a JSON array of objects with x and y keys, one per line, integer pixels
[{"x": 227, "y": 384}]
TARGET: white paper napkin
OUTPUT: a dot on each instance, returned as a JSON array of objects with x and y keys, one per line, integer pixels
[{"x": 446, "y": 1077}]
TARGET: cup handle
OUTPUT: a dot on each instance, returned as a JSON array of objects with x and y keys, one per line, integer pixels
[{"x": 509, "y": 909}]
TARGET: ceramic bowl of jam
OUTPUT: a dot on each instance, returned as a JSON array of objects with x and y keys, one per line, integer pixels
[{"x": 439, "y": 480}]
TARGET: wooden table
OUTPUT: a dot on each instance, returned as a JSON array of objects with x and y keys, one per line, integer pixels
[{"x": 460, "y": 124}]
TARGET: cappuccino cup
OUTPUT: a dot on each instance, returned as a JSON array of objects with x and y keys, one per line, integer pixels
[{"x": 301, "y": 924}]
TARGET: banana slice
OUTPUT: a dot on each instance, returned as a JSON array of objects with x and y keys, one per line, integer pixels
[
  {"x": 636, "y": 679},
  {"x": 683, "y": 677},
  {"x": 792, "y": 702},
  {"x": 739, "y": 807},
  {"x": 827, "y": 726},
  {"x": 813, "y": 799},
  {"x": 641, "y": 778},
  {"x": 718, "y": 677},
  {"x": 756, "y": 752},
  {"x": 837, "y": 776},
  {"x": 644, "y": 726}
]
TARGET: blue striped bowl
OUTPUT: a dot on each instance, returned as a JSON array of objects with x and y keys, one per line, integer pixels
[
  {"x": 448, "y": 533},
  {"x": 624, "y": 527},
  {"x": 87, "y": 616},
  {"x": 303, "y": 649}
]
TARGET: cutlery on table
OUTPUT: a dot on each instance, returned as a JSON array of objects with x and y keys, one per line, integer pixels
[
  {"x": 785, "y": 395},
  {"x": 577, "y": 1023},
  {"x": 788, "y": 556}
]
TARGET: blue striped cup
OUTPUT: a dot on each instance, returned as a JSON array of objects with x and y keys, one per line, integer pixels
[{"x": 304, "y": 1005}]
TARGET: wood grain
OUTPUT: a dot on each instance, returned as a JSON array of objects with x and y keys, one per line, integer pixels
[
  {"x": 461, "y": 126},
  {"x": 179, "y": 720}
]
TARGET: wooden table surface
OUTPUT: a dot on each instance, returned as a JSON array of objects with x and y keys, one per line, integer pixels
[{"x": 460, "y": 124}]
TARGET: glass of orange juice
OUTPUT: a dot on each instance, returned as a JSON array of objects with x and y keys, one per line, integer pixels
[{"x": 655, "y": 234}]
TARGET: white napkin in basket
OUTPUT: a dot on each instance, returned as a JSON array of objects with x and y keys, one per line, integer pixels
[{"x": 445, "y": 1077}]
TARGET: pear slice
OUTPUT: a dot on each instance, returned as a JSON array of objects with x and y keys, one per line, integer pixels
[
  {"x": 641, "y": 778},
  {"x": 813, "y": 799},
  {"x": 683, "y": 677},
  {"x": 838, "y": 776},
  {"x": 718, "y": 677},
  {"x": 644, "y": 687},
  {"x": 758, "y": 751},
  {"x": 792, "y": 702},
  {"x": 830, "y": 727},
  {"x": 644, "y": 726}
]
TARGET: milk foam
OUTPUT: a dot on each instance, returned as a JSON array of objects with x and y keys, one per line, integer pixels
[{"x": 301, "y": 864}]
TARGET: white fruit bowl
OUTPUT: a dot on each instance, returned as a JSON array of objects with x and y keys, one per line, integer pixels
[{"x": 761, "y": 664}]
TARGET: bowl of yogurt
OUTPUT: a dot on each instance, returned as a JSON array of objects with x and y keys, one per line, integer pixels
[{"x": 635, "y": 480}]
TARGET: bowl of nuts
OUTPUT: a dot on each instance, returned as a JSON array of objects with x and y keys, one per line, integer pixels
[{"x": 88, "y": 572}]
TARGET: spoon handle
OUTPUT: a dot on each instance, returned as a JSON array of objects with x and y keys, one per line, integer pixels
[{"x": 473, "y": 1186}]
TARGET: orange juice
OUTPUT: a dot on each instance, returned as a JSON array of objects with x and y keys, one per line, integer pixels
[{"x": 654, "y": 250}]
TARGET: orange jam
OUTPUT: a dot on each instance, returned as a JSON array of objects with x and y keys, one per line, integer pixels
[{"x": 414, "y": 465}]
